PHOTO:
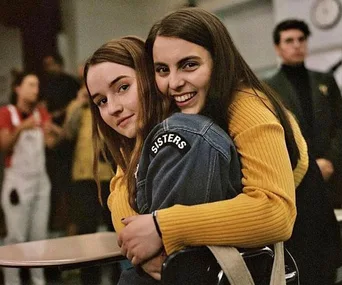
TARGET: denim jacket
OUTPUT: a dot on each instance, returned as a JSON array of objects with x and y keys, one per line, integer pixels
[{"x": 187, "y": 160}]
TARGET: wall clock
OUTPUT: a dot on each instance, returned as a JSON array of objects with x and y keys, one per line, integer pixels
[{"x": 326, "y": 14}]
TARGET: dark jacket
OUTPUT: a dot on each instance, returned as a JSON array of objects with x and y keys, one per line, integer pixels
[
  {"x": 326, "y": 140},
  {"x": 315, "y": 242},
  {"x": 188, "y": 160}
]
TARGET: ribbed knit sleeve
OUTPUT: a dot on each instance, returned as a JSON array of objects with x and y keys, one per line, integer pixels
[
  {"x": 118, "y": 201},
  {"x": 265, "y": 212}
]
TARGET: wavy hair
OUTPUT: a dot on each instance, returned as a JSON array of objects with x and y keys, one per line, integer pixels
[{"x": 125, "y": 152}]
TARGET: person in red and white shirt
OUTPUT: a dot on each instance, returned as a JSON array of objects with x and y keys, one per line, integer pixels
[{"x": 25, "y": 130}]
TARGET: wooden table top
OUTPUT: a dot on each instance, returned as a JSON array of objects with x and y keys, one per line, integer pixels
[{"x": 64, "y": 252}]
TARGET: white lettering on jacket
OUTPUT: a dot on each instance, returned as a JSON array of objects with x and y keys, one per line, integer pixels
[{"x": 170, "y": 139}]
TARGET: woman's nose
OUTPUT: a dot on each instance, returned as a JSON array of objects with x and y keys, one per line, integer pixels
[
  {"x": 175, "y": 80},
  {"x": 115, "y": 106}
]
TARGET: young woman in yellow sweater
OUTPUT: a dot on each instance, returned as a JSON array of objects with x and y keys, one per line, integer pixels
[{"x": 272, "y": 150}]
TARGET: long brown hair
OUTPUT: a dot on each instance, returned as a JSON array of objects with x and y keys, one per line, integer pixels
[
  {"x": 230, "y": 70},
  {"x": 123, "y": 151}
]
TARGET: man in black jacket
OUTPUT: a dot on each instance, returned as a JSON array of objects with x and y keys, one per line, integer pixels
[{"x": 315, "y": 99}]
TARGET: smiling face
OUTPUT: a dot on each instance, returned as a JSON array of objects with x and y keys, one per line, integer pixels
[
  {"x": 182, "y": 70},
  {"x": 292, "y": 47},
  {"x": 113, "y": 89}
]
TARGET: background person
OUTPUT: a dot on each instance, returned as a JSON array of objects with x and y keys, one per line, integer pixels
[
  {"x": 313, "y": 97},
  {"x": 25, "y": 129},
  {"x": 58, "y": 89},
  {"x": 315, "y": 100}
]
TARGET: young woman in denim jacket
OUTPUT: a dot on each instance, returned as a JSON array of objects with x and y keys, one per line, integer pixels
[{"x": 125, "y": 107}]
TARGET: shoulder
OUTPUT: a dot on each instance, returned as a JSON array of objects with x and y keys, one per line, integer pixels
[
  {"x": 4, "y": 111},
  {"x": 5, "y": 117},
  {"x": 247, "y": 98},
  {"x": 319, "y": 75},
  {"x": 43, "y": 112},
  {"x": 177, "y": 131},
  {"x": 185, "y": 131},
  {"x": 186, "y": 122},
  {"x": 250, "y": 108},
  {"x": 194, "y": 124},
  {"x": 276, "y": 75},
  {"x": 117, "y": 180},
  {"x": 324, "y": 80}
]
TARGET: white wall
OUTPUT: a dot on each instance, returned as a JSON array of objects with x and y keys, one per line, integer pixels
[
  {"x": 250, "y": 23},
  {"x": 88, "y": 24},
  {"x": 67, "y": 40},
  {"x": 10, "y": 57},
  {"x": 216, "y": 6},
  {"x": 320, "y": 39}
]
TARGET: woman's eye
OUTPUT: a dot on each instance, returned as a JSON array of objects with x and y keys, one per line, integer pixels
[
  {"x": 100, "y": 102},
  {"x": 191, "y": 65},
  {"x": 123, "y": 87},
  {"x": 161, "y": 70}
]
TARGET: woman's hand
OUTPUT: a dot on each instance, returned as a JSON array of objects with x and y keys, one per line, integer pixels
[
  {"x": 139, "y": 240},
  {"x": 153, "y": 266},
  {"x": 326, "y": 167}
]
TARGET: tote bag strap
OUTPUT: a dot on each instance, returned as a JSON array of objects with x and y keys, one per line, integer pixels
[
  {"x": 236, "y": 270},
  {"x": 278, "y": 269}
]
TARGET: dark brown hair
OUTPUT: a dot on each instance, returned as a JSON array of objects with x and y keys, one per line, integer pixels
[
  {"x": 230, "y": 70},
  {"x": 290, "y": 24}
]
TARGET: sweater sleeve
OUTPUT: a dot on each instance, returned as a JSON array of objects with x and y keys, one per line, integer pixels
[
  {"x": 265, "y": 212},
  {"x": 118, "y": 201}
]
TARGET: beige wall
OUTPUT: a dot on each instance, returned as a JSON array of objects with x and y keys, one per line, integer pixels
[
  {"x": 10, "y": 57},
  {"x": 250, "y": 24},
  {"x": 91, "y": 23}
]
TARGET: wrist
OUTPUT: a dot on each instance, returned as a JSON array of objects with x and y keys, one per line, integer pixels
[{"x": 155, "y": 221}]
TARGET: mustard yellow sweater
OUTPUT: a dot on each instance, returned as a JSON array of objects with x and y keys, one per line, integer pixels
[{"x": 264, "y": 213}]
